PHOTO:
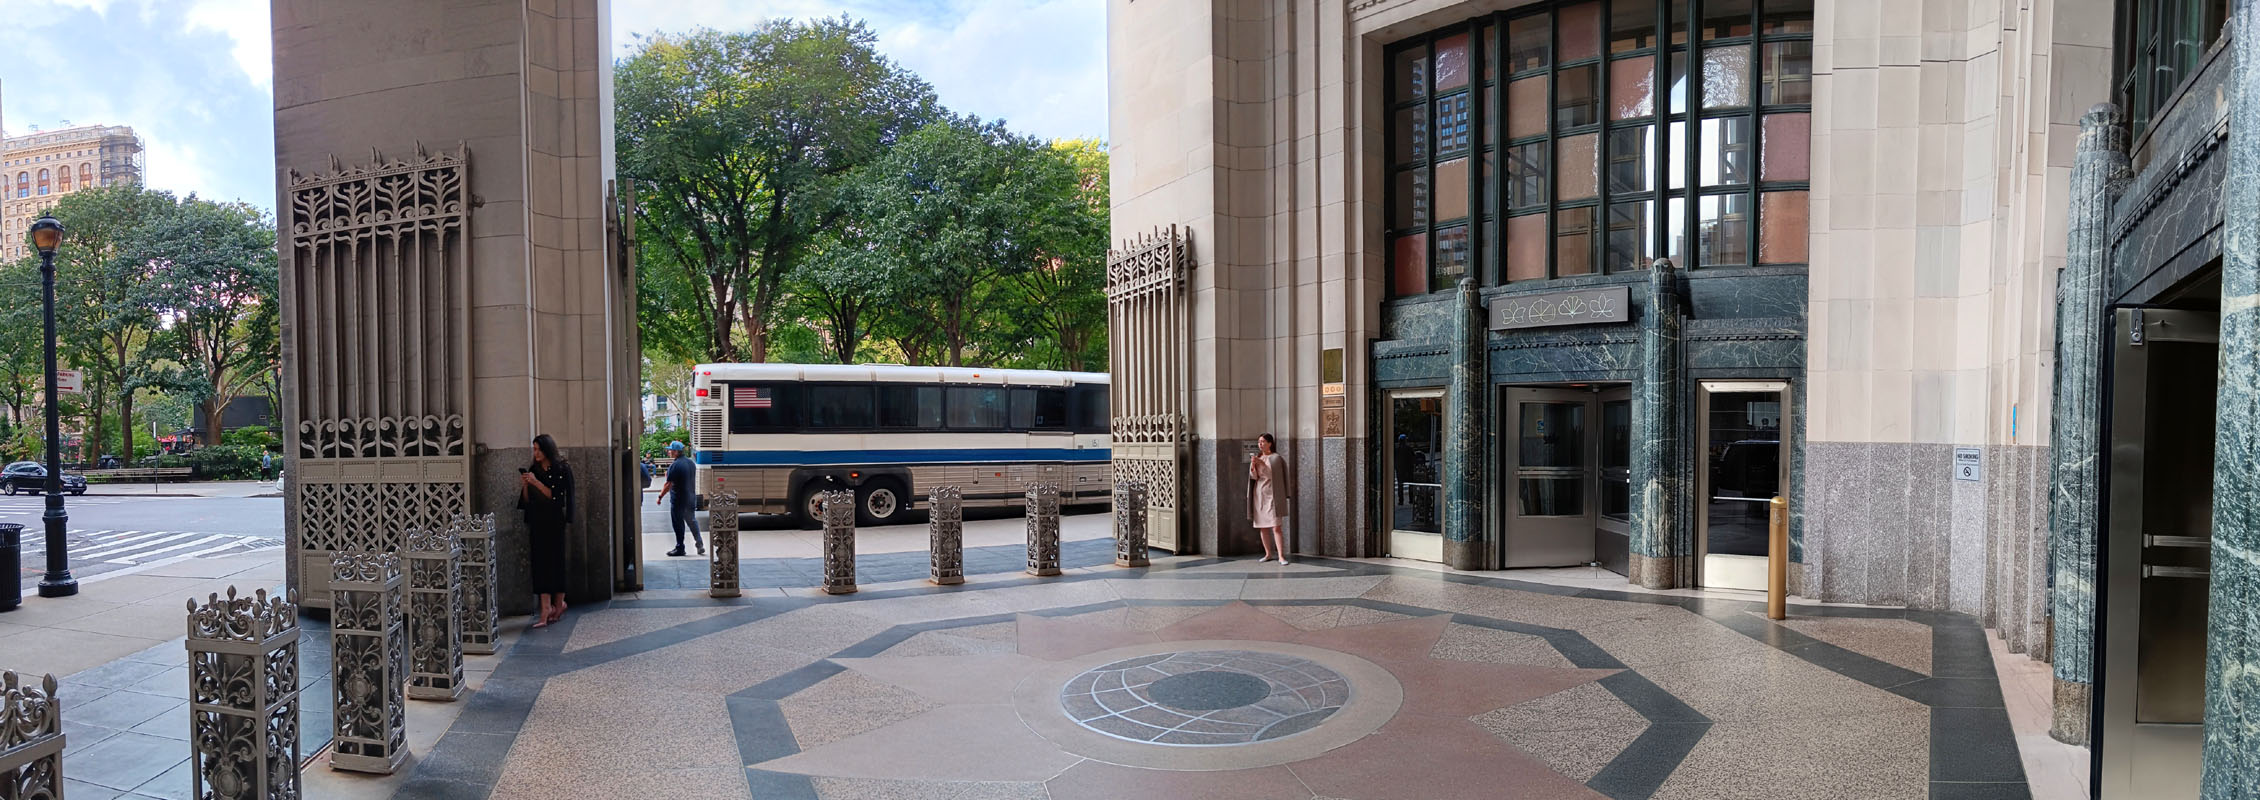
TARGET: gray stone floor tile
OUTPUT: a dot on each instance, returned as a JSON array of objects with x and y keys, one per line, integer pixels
[
  {"x": 123, "y": 710},
  {"x": 76, "y": 789},
  {"x": 114, "y": 675},
  {"x": 177, "y": 783},
  {"x": 128, "y": 760},
  {"x": 172, "y": 724}
]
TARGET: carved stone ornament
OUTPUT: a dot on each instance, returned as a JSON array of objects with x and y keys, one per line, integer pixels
[
  {"x": 243, "y": 697},
  {"x": 369, "y": 662},
  {"x": 1043, "y": 529},
  {"x": 480, "y": 616},
  {"x": 945, "y": 526},
  {"x": 722, "y": 535},
  {"x": 31, "y": 739},
  {"x": 839, "y": 541},
  {"x": 1130, "y": 524},
  {"x": 435, "y": 622}
]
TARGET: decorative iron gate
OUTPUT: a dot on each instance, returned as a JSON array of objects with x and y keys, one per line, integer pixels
[
  {"x": 1147, "y": 330},
  {"x": 376, "y": 304}
]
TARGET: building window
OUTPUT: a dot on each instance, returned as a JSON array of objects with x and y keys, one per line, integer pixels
[
  {"x": 86, "y": 174},
  {"x": 2161, "y": 43},
  {"x": 43, "y": 182},
  {"x": 23, "y": 184},
  {"x": 1576, "y": 138},
  {"x": 63, "y": 179}
]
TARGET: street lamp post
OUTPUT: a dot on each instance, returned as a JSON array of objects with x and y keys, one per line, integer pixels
[{"x": 46, "y": 234}]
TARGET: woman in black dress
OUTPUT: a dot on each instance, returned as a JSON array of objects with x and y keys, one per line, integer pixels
[{"x": 545, "y": 493}]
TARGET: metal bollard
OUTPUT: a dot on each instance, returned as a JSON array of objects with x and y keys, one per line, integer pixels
[
  {"x": 435, "y": 621},
  {"x": 722, "y": 536},
  {"x": 1777, "y": 559},
  {"x": 945, "y": 535},
  {"x": 369, "y": 663},
  {"x": 1043, "y": 529},
  {"x": 243, "y": 697},
  {"x": 11, "y": 563},
  {"x": 31, "y": 751},
  {"x": 839, "y": 541},
  {"x": 1130, "y": 524},
  {"x": 480, "y": 619}
]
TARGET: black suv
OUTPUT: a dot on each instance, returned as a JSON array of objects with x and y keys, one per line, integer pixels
[{"x": 31, "y": 476}]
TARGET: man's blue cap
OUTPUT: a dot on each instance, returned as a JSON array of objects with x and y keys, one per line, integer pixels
[{"x": 674, "y": 445}]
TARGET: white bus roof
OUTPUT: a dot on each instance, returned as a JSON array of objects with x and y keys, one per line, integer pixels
[{"x": 889, "y": 373}]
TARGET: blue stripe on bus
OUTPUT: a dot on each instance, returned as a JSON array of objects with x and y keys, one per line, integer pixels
[{"x": 735, "y": 458}]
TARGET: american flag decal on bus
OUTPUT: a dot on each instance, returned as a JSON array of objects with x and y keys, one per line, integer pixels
[{"x": 752, "y": 397}]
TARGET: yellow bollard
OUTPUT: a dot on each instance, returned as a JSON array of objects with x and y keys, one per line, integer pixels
[{"x": 1777, "y": 559}]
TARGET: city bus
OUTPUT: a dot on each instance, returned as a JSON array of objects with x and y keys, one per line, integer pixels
[{"x": 777, "y": 435}]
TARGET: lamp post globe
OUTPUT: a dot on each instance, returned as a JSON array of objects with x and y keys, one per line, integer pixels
[{"x": 46, "y": 235}]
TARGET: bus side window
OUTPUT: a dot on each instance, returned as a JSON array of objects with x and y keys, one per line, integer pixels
[
  {"x": 977, "y": 408},
  {"x": 910, "y": 407},
  {"x": 1051, "y": 409},
  {"x": 764, "y": 407},
  {"x": 1023, "y": 409},
  {"x": 1090, "y": 411},
  {"x": 838, "y": 407}
]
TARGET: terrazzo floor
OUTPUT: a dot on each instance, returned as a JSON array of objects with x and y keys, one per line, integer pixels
[{"x": 1202, "y": 678}]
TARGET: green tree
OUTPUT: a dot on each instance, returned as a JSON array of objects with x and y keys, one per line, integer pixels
[
  {"x": 734, "y": 140},
  {"x": 1056, "y": 311},
  {"x": 23, "y": 366},
  {"x": 213, "y": 271},
  {"x": 107, "y": 303}
]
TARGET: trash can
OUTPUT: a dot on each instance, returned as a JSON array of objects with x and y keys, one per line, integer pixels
[{"x": 11, "y": 565}]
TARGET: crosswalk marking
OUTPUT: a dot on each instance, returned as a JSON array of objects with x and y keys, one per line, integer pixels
[
  {"x": 150, "y": 554},
  {"x": 132, "y": 543},
  {"x": 98, "y": 551}
]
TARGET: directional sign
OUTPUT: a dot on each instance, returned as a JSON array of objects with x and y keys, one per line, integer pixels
[
  {"x": 1968, "y": 464},
  {"x": 69, "y": 381}
]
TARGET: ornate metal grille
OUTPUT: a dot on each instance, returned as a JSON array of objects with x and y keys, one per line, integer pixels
[
  {"x": 435, "y": 613},
  {"x": 1147, "y": 323},
  {"x": 376, "y": 299},
  {"x": 722, "y": 532},
  {"x": 243, "y": 697},
  {"x": 945, "y": 535},
  {"x": 31, "y": 738},
  {"x": 1043, "y": 529}
]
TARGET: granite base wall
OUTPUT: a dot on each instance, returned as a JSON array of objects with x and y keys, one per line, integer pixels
[{"x": 590, "y": 548}]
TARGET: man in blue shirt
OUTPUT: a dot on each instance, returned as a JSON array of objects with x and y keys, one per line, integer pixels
[{"x": 682, "y": 482}]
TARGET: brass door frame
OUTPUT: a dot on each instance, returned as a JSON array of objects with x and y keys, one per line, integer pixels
[{"x": 1703, "y": 454}]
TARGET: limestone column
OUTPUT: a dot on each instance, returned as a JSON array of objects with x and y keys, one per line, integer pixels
[
  {"x": 1464, "y": 425},
  {"x": 2098, "y": 174},
  {"x": 2232, "y": 642},
  {"x": 1661, "y": 550}
]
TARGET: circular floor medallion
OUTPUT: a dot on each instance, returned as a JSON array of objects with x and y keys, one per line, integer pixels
[{"x": 1205, "y": 697}]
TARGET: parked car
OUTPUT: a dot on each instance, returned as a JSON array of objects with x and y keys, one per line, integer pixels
[{"x": 31, "y": 476}]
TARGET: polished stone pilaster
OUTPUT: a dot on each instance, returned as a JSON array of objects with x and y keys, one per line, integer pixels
[
  {"x": 2099, "y": 171},
  {"x": 481, "y": 616},
  {"x": 1043, "y": 529},
  {"x": 435, "y": 643},
  {"x": 722, "y": 534},
  {"x": 1465, "y": 420},
  {"x": 31, "y": 750},
  {"x": 945, "y": 535},
  {"x": 1130, "y": 524},
  {"x": 2232, "y": 644},
  {"x": 1662, "y": 546},
  {"x": 243, "y": 697},
  {"x": 369, "y": 662},
  {"x": 838, "y": 508}
]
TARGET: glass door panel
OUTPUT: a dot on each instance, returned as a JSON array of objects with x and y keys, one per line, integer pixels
[
  {"x": 1549, "y": 469},
  {"x": 1416, "y": 487},
  {"x": 1741, "y": 427},
  {"x": 1612, "y": 527}
]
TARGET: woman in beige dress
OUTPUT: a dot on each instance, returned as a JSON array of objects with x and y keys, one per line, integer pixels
[{"x": 1270, "y": 486}]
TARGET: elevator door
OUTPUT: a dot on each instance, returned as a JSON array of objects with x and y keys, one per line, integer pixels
[
  {"x": 2157, "y": 551},
  {"x": 1551, "y": 457}
]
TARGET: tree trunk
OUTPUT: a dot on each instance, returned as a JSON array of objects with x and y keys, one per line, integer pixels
[
  {"x": 125, "y": 426},
  {"x": 214, "y": 412}
]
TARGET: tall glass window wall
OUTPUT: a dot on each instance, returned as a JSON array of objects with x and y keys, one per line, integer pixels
[
  {"x": 1576, "y": 138},
  {"x": 2161, "y": 43}
]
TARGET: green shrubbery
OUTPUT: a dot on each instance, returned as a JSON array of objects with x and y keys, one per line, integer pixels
[{"x": 221, "y": 462}]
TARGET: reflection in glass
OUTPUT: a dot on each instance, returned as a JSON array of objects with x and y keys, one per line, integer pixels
[
  {"x": 1675, "y": 147},
  {"x": 1410, "y": 255},
  {"x": 1616, "y": 459},
  {"x": 1451, "y": 189},
  {"x": 1451, "y": 62},
  {"x": 1417, "y": 493},
  {"x": 1526, "y": 175},
  {"x": 1526, "y": 42},
  {"x": 1489, "y": 176},
  {"x": 1631, "y": 154},
  {"x": 1412, "y": 73},
  {"x": 1526, "y": 107},
  {"x": 1487, "y": 252},
  {"x": 1580, "y": 34},
  {"x": 1573, "y": 241},
  {"x": 1786, "y": 76},
  {"x": 1675, "y": 230},
  {"x": 1726, "y": 152},
  {"x": 1726, "y": 77},
  {"x": 1409, "y": 208},
  {"x": 1411, "y": 135},
  {"x": 1630, "y": 231},
  {"x": 1632, "y": 25},
  {"x": 1744, "y": 462},
  {"x": 1632, "y": 87},
  {"x": 1576, "y": 168},
  {"x": 1787, "y": 16},
  {"x": 1725, "y": 18},
  {"x": 1452, "y": 251},
  {"x": 1486, "y": 37},
  {"x": 1786, "y": 147},
  {"x": 1552, "y": 497},
  {"x": 1551, "y": 435},
  {"x": 1484, "y": 131},
  {"x": 1782, "y": 219},
  {"x": 1678, "y": 81},
  {"x": 1722, "y": 225},
  {"x": 1526, "y": 247},
  {"x": 1576, "y": 97},
  {"x": 1452, "y": 120}
]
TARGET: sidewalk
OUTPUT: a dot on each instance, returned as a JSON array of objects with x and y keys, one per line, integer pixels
[{"x": 185, "y": 489}]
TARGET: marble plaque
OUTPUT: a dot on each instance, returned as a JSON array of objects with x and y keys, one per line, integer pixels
[{"x": 1596, "y": 306}]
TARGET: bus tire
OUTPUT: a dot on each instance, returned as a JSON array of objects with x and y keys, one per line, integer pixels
[
  {"x": 806, "y": 509},
  {"x": 881, "y": 501}
]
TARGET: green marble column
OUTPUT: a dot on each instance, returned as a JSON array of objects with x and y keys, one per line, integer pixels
[
  {"x": 2099, "y": 173},
  {"x": 1662, "y": 546},
  {"x": 2232, "y": 642},
  {"x": 1466, "y": 417}
]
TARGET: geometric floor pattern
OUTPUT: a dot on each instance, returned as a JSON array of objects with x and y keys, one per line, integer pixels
[{"x": 1232, "y": 679}]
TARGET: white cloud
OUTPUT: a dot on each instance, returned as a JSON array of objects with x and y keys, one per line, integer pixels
[{"x": 245, "y": 24}]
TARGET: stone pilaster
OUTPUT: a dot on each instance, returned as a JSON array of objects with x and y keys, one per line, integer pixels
[
  {"x": 1662, "y": 547},
  {"x": 1465, "y": 421},
  {"x": 2099, "y": 171},
  {"x": 722, "y": 533},
  {"x": 838, "y": 508},
  {"x": 2232, "y": 642}
]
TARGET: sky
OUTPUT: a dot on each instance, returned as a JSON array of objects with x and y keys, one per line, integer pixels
[{"x": 195, "y": 77}]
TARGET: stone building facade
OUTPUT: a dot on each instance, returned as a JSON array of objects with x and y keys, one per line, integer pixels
[
  {"x": 1565, "y": 282},
  {"x": 40, "y": 167}
]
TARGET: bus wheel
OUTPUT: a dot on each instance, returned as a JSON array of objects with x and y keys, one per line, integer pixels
[
  {"x": 880, "y": 502},
  {"x": 811, "y": 507}
]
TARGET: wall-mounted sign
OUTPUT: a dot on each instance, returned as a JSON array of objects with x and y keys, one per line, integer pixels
[
  {"x": 1595, "y": 306},
  {"x": 1333, "y": 422},
  {"x": 1968, "y": 464},
  {"x": 1333, "y": 400},
  {"x": 70, "y": 381}
]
